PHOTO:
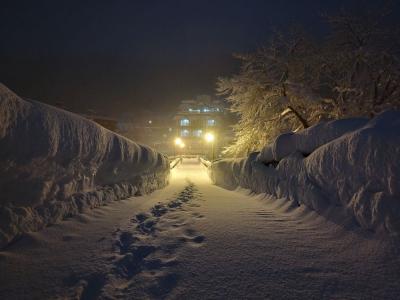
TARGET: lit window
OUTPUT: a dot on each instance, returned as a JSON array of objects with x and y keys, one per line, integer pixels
[
  {"x": 185, "y": 122},
  {"x": 197, "y": 132},
  {"x": 184, "y": 132},
  {"x": 210, "y": 122}
]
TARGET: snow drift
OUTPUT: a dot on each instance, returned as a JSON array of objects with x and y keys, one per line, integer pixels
[
  {"x": 350, "y": 165},
  {"x": 54, "y": 164}
]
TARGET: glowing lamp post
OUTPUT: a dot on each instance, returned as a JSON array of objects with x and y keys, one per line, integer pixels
[
  {"x": 209, "y": 137},
  {"x": 178, "y": 142},
  {"x": 182, "y": 145}
]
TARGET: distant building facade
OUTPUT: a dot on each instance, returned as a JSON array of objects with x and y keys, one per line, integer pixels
[
  {"x": 192, "y": 120},
  {"x": 195, "y": 118}
]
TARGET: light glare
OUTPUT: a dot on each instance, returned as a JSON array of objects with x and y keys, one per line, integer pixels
[
  {"x": 209, "y": 137},
  {"x": 178, "y": 141}
]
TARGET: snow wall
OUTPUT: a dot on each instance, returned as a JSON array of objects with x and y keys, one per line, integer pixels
[
  {"x": 54, "y": 164},
  {"x": 349, "y": 165}
]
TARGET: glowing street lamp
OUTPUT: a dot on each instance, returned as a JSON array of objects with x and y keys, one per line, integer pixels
[
  {"x": 209, "y": 137},
  {"x": 178, "y": 141}
]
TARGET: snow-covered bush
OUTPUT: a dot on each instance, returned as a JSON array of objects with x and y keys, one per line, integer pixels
[
  {"x": 351, "y": 165},
  {"x": 54, "y": 164}
]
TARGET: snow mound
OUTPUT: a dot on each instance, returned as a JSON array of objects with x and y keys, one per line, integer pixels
[
  {"x": 350, "y": 165},
  {"x": 307, "y": 140},
  {"x": 54, "y": 164}
]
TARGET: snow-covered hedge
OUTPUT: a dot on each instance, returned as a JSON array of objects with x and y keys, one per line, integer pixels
[
  {"x": 351, "y": 165},
  {"x": 54, "y": 164}
]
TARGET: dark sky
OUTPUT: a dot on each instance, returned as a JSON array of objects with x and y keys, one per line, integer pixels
[{"x": 120, "y": 56}]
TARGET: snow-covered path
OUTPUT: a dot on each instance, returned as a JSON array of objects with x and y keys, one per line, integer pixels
[{"x": 199, "y": 241}]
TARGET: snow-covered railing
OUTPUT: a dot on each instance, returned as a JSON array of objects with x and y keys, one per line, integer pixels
[
  {"x": 189, "y": 156},
  {"x": 349, "y": 166},
  {"x": 55, "y": 164},
  {"x": 174, "y": 162},
  {"x": 206, "y": 163}
]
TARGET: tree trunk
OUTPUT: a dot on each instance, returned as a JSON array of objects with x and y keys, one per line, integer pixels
[{"x": 299, "y": 117}]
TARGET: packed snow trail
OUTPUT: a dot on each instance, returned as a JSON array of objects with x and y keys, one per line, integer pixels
[{"x": 199, "y": 241}]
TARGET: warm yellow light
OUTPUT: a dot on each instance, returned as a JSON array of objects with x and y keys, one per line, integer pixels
[
  {"x": 209, "y": 137},
  {"x": 182, "y": 145},
  {"x": 178, "y": 141}
]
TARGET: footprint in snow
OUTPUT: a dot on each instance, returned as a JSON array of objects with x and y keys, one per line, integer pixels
[{"x": 145, "y": 255}]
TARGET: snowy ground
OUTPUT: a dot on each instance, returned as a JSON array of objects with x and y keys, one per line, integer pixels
[{"x": 196, "y": 240}]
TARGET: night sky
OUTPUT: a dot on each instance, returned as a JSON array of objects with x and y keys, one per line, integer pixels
[{"x": 125, "y": 56}]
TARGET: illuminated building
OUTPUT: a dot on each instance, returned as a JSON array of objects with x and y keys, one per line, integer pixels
[{"x": 195, "y": 118}]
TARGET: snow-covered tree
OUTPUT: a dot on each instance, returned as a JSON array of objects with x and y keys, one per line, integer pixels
[
  {"x": 360, "y": 64},
  {"x": 293, "y": 82},
  {"x": 273, "y": 92}
]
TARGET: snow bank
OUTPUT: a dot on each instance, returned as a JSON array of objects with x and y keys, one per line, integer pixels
[
  {"x": 307, "y": 140},
  {"x": 351, "y": 165},
  {"x": 54, "y": 164}
]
